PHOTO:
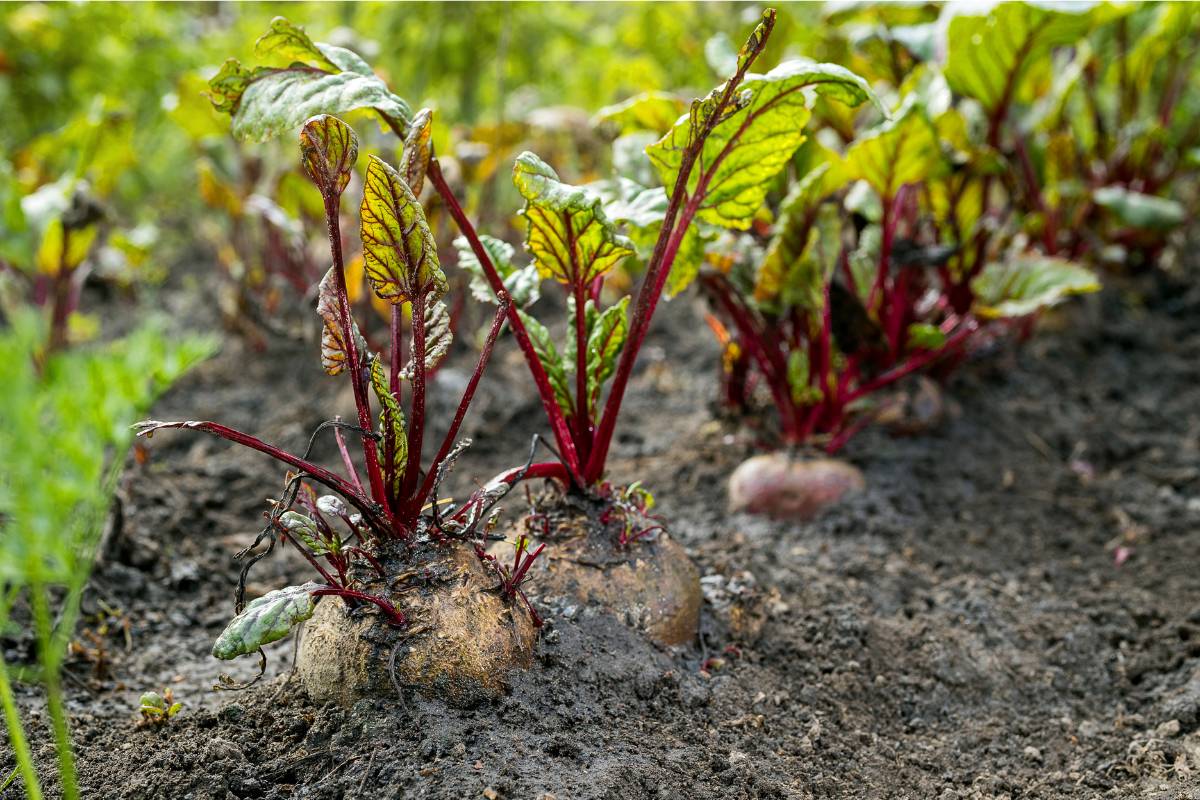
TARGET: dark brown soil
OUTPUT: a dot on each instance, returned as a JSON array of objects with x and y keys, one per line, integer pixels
[{"x": 962, "y": 629}]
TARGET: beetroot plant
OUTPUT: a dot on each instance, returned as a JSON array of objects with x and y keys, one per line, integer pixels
[
  {"x": 711, "y": 170},
  {"x": 1067, "y": 123},
  {"x": 716, "y": 164},
  {"x": 49, "y": 253},
  {"x": 394, "y": 563},
  {"x": 883, "y": 260}
]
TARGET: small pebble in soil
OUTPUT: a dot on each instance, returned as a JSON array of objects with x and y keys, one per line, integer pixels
[
  {"x": 1033, "y": 754},
  {"x": 1168, "y": 730}
]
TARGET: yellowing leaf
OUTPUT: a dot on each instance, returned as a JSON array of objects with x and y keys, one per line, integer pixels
[
  {"x": 1028, "y": 284},
  {"x": 329, "y": 148},
  {"x": 989, "y": 55},
  {"x": 82, "y": 327},
  {"x": 216, "y": 192},
  {"x": 398, "y": 248},
  {"x": 900, "y": 151},
  {"x": 750, "y": 145},
  {"x": 62, "y": 249},
  {"x": 291, "y": 43},
  {"x": 571, "y": 239},
  {"x": 650, "y": 111},
  {"x": 225, "y": 89}
]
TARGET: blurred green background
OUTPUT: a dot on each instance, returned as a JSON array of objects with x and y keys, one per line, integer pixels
[{"x": 143, "y": 66}]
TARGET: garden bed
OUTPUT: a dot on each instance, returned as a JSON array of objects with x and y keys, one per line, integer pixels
[{"x": 961, "y": 629}]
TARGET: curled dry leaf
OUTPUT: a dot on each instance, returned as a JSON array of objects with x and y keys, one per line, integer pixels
[
  {"x": 334, "y": 352},
  {"x": 418, "y": 149}
]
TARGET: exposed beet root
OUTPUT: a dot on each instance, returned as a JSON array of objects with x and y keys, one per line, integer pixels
[
  {"x": 461, "y": 641},
  {"x": 777, "y": 485},
  {"x": 651, "y": 583}
]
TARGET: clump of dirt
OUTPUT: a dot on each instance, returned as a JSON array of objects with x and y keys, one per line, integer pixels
[{"x": 1010, "y": 608}]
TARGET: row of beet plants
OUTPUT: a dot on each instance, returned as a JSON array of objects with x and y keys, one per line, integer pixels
[
  {"x": 1009, "y": 149},
  {"x": 417, "y": 591},
  {"x": 836, "y": 266}
]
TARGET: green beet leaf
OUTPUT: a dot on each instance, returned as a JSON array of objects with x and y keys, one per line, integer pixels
[
  {"x": 1137, "y": 210},
  {"x": 569, "y": 235},
  {"x": 314, "y": 78},
  {"x": 552, "y": 363},
  {"x": 279, "y": 101},
  {"x": 799, "y": 378},
  {"x": 799, "y": 279},
  {"x": 797, "y": 215},
  {"x": 266, "y": 619},
  {"x": 626, "y": 200},
  {"x": 523, "y": 284},
  {"x": 1028, "y": 284},
  {"x": 606, "y": 337},
  {"x": 307, "y": 532},
  {"x": 391, "y": 421},
  {"x": 750, "y": 146},
  {"x": 398, "y": 248},
  {"x": 923, "y": 336},
  {"x": 642, "y": 208},
  {"x": 651, "y": 111}
]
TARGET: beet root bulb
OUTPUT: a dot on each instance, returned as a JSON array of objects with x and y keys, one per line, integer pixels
[
  {"x": 650, "y": 583},
  {"x": 460, "y": 644},
  {"x": 778, "y": 486}
]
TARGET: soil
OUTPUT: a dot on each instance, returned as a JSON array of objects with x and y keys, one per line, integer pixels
[{"x": 1011, "y": 609}]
